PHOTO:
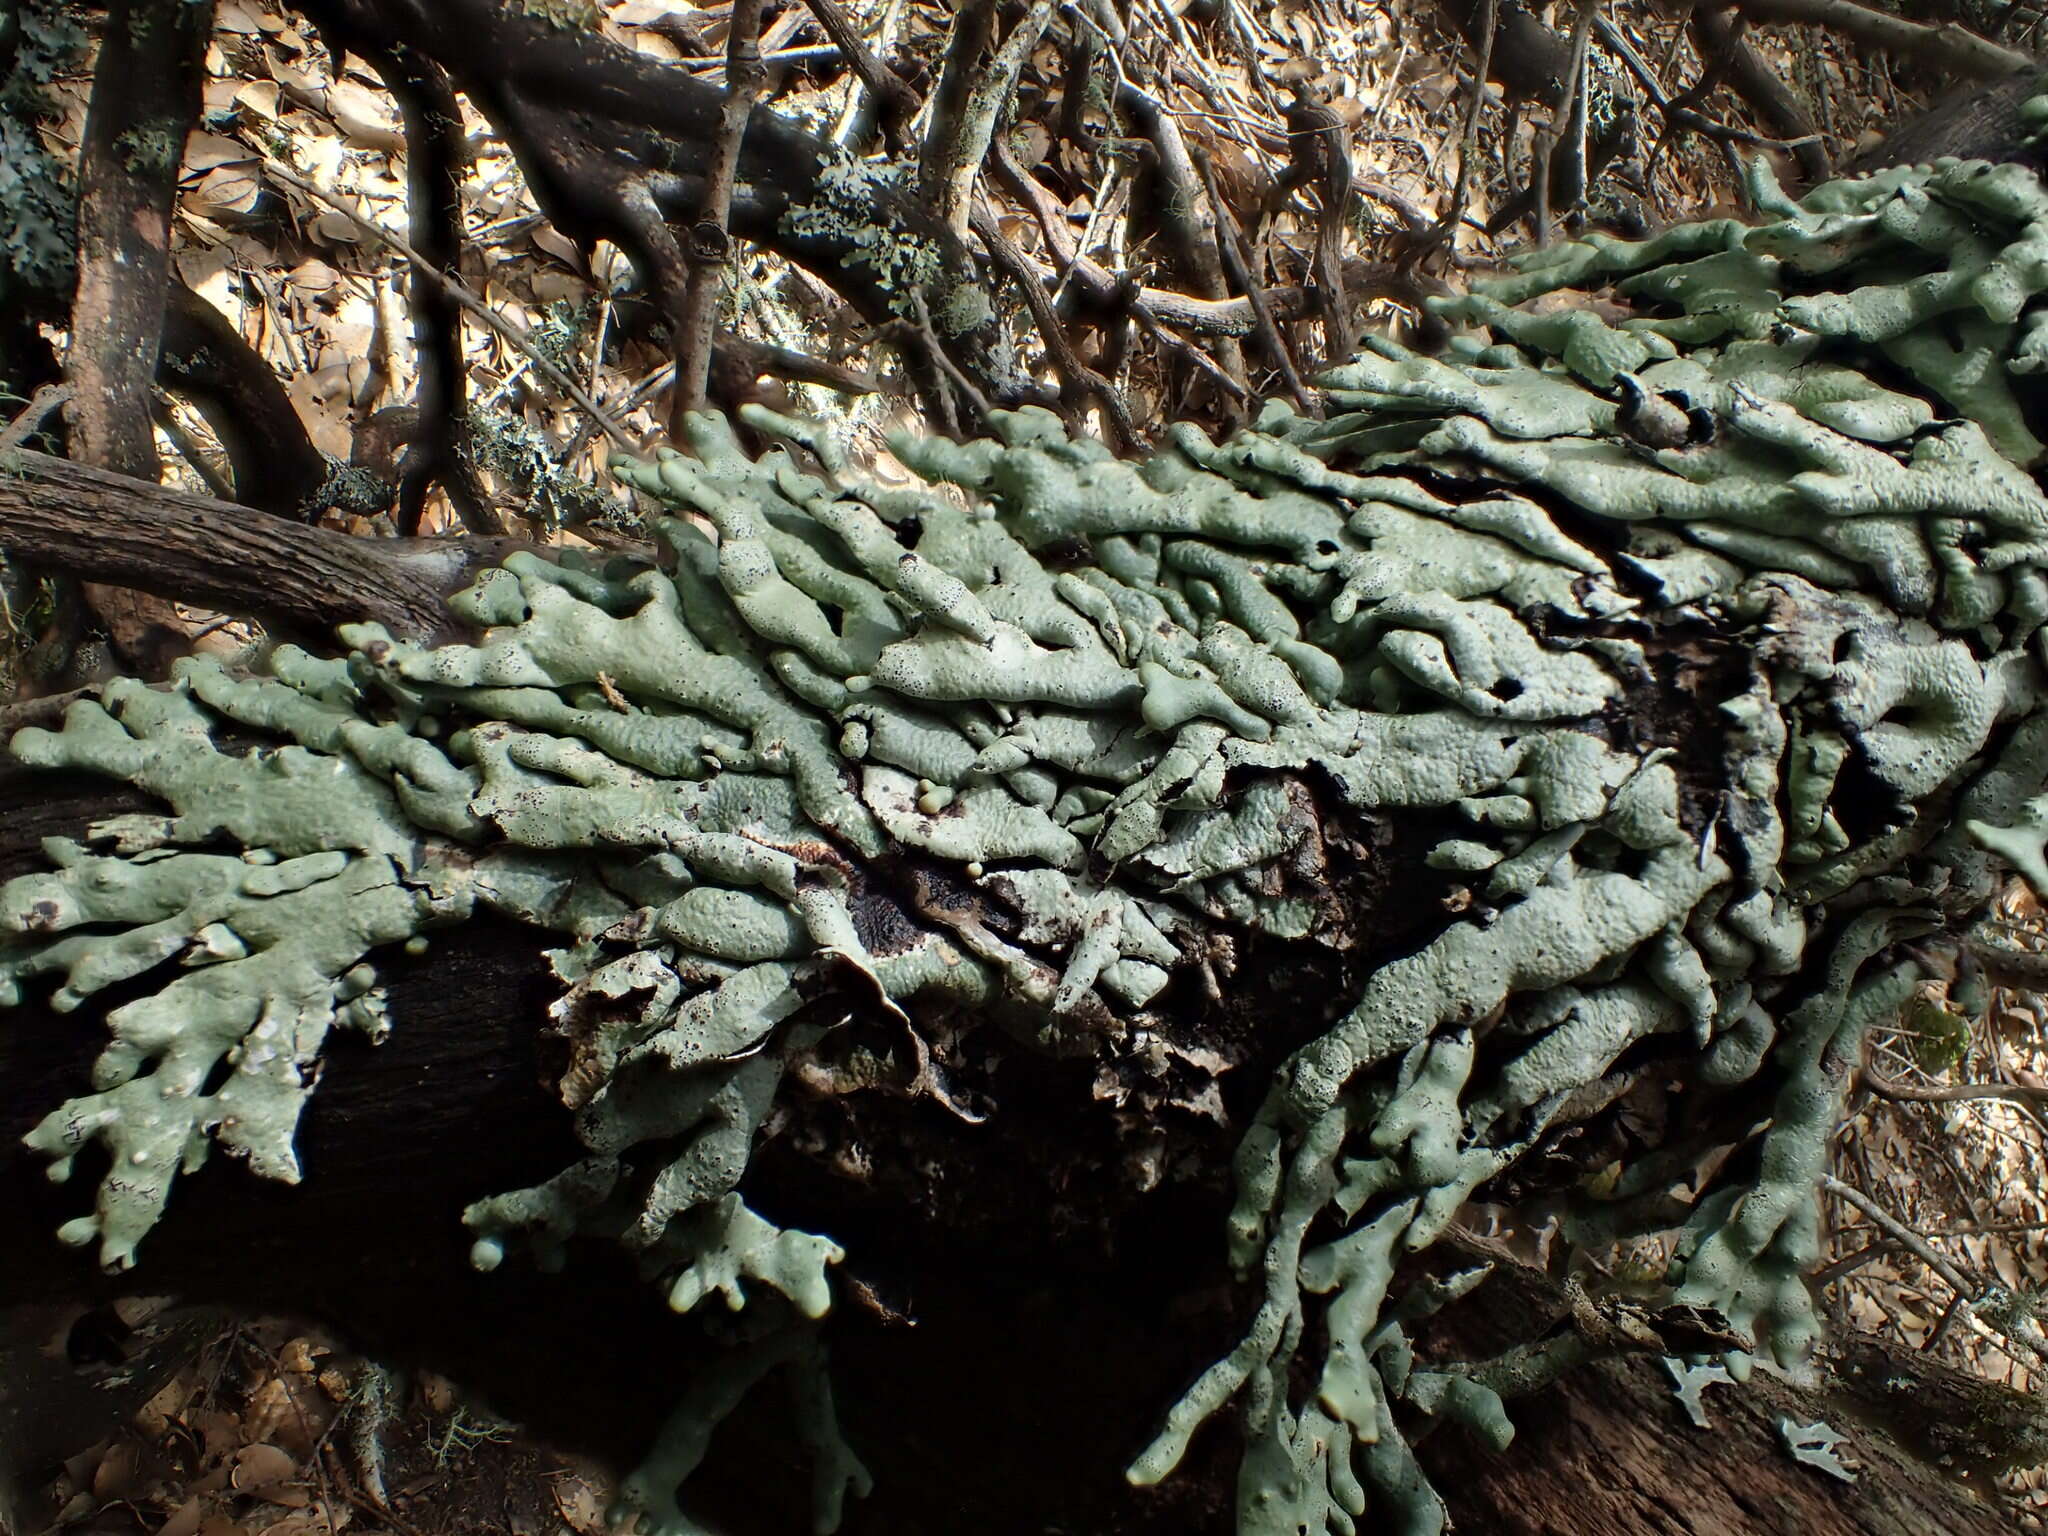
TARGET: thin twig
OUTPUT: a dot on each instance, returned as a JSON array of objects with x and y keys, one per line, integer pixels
[
  {"x": 1900, "y": 1233},
  {"x": 1226, "y": 317},
  {"x": 515, "y": 334},
  {"x": 1828, "y": 1274},
  {"x": 1078, "y": 380},
  {"x": 249, "y": 1341},
  {"x": 1237, "y": 262},
  {"x": 1946, "y": 46},
  {"x": 921, "y": 331},
  {"x": 32, "y": 416},
  {"x": 1967, "y": 1295},
  {"x": 807, "y": 54},
  {"x": 1949, "y": 1093},
  {"x": 710, "y": 245},
  {"x": 363, "y": 1500}
]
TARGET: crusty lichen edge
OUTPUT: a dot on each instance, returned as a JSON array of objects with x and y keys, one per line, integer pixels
[{"x": 688, "y": 772}]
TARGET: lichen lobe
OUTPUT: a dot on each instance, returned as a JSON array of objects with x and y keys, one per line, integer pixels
[{"x": 1031, "y": 761}]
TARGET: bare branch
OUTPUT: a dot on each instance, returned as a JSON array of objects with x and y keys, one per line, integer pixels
[
  {"x": 1077, "y": 379},
  {"x": 959, "y": 141},
  {"x": 1967, "y": 1294},
  {"x": 1949, "y": 1093},
  {"x": 514, "y": 333},
  {"x": 895, "y": 98},
  {"x": 1756, "y": 82},
  {"x": 1902, "y": 1234},
  {"x": 434, "y": 158},
  {"x": 710, "y": 247},
  {"x": 1230, "y": 246},
  {"x": 1946, "y": 46},
  {"x": 1322, "y": 142},
  {"x": 33, "y": 415},
  {"x": 1461, "y": 190},
  {"x": 109, "y": 527}
]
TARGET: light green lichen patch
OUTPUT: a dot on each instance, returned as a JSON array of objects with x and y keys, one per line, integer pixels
[{"x": 1029, "y": 740}]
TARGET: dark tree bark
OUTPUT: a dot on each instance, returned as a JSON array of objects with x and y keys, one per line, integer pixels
[
  {"x": 112, "y": 528},
  {"x": 1981, "y": 122},
  {"x": 145, "y": 97},
  {"x": 612, "y": 144},
  {"x": 1032, "y": 1313},
  {"x": 271, "y": 460}
]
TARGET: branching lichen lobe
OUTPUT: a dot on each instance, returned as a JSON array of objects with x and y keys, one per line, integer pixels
[{"x": 865, "y": 749}]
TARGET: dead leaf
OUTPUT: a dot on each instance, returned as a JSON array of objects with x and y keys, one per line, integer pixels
[
  {"x": 260, "y": 97},
  {"x": 217, "y": 97},
  {"x": 581, "y": 1501},
  {"x": 211, "y": 1482},
  {"x": 227, "y": 193},
  {"x": 118, "y": 1476},
  {"x": 261, "y": 1469},
  {"x": 319, "y": 155},
  {"x": 550, "y": 286},
  {"x": 289, "y": 1410},
  {"x": 237, "y": 16},
  {"x": 220, "y": 1430},
  {"x": 322, "y": 402},
  {"x": 656, "y": 45},
  {"x": 303, "y": 1522},
  {"x": 299, "y": 82},
  {"x": 156, "y": 1415},
  {"x": 546, "y": 237},
  {"x": 334, "y": 229},
  {"x": 313, "y": 276},
  {"x": 185, "y": 1519},
  {"x": 79, "y": 1468},
  {"x": 365, "y": 117},
  {"x": 204, "y": 151},
  {"x": 1029, "y": 142}
]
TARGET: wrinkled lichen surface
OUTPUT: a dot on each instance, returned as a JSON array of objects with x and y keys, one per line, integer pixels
[{"x": 1020, "y": 736}]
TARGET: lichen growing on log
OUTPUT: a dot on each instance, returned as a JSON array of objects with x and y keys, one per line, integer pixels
[{"x": 1020, "y": 738}]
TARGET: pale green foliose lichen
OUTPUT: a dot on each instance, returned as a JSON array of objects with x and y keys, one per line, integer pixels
[
  {"x": 1020, "y": 739},
  {"x": 906, "y": 265}
]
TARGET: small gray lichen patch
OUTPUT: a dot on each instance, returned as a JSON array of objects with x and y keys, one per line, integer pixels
[{"x": 904, "y": 263}]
